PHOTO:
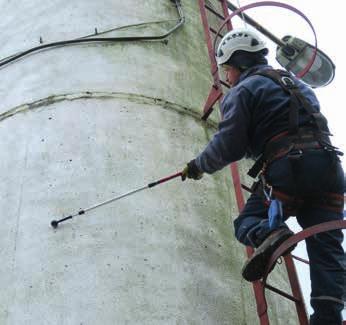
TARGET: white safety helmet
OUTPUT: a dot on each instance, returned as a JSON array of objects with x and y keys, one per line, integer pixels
[{"x": 238, "y": 39}]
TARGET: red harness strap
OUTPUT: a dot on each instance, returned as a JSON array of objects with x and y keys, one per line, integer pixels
[{"x": 327, "y": 201}]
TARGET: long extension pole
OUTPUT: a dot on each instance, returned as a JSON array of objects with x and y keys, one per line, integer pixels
[{"x": 55, "y": 223}]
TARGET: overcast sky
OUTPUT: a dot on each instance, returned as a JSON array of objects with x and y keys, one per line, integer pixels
[{"x": 327, "y": 19}]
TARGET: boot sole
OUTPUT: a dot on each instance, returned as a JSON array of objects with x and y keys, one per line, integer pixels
[{"x": 254, "y": 268}]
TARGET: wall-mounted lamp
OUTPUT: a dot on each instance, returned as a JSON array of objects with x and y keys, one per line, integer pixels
[{"x": 295, "y": 55}]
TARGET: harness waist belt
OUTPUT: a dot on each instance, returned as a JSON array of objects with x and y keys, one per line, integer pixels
[{"x": 284, "y": 143}]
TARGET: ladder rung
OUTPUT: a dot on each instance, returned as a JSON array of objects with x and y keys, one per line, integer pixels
[
  {"x": 215, "y": 32},
  {"x": 301, "y": 259},
  {"x": 215, "y": 12},
  {"x": 282, "y": 293},
  {"x": 224, "y": 84}
]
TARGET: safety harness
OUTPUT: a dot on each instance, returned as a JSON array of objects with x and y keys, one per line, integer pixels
[{"x": 292, "y": 143}]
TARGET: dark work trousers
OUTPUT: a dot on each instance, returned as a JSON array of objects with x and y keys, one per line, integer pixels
[{"x": 311, "y": 174}]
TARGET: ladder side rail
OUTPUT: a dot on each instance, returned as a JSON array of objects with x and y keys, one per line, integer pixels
[
  {"x": 258, "y": 287},
  {"x": 296, "y": 290}
]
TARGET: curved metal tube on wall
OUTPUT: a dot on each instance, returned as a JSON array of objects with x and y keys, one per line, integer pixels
[{"x": 85, "y": 39}]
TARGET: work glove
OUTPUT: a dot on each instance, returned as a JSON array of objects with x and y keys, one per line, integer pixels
[{"x": 191, "y": 171}]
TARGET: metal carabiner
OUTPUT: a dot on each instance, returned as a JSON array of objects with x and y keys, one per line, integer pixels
[{"x": 265, "y": 186}]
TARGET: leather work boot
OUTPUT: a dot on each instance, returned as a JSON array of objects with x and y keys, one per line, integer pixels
[{"x": 255, "y": 266}]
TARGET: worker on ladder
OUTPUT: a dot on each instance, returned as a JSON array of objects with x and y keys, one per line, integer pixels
[{"x": 271, "y": 116}]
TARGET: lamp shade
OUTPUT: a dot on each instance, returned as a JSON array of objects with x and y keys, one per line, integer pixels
[{"x": 296, "y": 54}]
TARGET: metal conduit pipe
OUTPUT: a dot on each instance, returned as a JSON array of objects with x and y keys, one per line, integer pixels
[
  {"x": 256, "y": 25},
  {"x": 88, "y": 39}
]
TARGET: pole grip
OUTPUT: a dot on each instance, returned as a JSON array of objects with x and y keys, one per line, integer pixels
[
  {"x": 163, "y": 180},
  {"x": 64, "y": 219}
]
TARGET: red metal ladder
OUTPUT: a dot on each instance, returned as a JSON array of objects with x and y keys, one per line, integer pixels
[{"x": 215, "y": 95}]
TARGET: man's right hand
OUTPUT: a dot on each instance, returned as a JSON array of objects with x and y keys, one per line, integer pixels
[{"x": 191, "y": 171}]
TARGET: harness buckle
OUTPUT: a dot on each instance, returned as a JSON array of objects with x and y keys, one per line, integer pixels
[
  {"x": 295, "y": 154},
  {"x": 288, "y": 82}
]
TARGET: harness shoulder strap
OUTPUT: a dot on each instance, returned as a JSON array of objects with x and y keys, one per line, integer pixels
[{"x": 285, "y": 80}]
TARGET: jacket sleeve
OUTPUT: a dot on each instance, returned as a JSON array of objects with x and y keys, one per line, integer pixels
[{"x": 229, "y": 144}]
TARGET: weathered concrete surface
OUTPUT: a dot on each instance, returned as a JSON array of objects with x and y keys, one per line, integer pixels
[
  {"x": 136, "y": 67},
  {"x": 81, "y": 124}
]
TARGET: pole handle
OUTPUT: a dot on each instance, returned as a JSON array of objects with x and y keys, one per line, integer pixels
[{"x": 163, "y": 180}]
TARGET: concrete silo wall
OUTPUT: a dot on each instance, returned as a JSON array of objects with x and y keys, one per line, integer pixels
[{"x": 83, "y": 123}]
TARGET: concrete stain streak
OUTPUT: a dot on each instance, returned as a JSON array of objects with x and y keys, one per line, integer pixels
[
  {"x": 20, "y": 205},
  {"x": 136, "y": 98},
  {"x": 20, "y": 201}
]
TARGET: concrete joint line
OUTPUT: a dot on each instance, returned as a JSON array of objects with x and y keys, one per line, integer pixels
[{"x": 136, "y": 98}]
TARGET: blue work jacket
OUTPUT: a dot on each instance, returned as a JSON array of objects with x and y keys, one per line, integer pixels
[{"x": 254, "y": 110}]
